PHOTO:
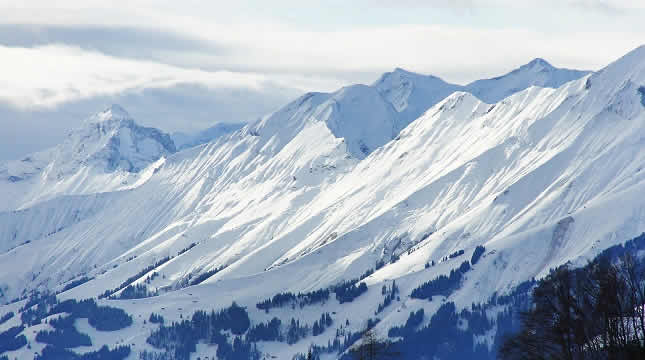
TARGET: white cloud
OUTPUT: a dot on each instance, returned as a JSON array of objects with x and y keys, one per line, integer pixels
[
  {"x": 457, "y": 53},
  {"x": 51, "y": 75},
  {"x": 47, "y": 91},
  {"x": 244, "y": 39}
]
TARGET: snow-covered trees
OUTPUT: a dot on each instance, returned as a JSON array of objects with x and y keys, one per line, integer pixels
[
  {"x": 442, "y": 285},
  {"x": 180, "y": 338},
  {"x": 10, "y": 340},
  {"x": 477, "y": 254}
]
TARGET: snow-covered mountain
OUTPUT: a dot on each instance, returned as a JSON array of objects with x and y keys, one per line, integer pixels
[
  {"x": 107, "y": 153},
  {"x": 111, "y": 141},
  {"x": 334, "y": 187}
]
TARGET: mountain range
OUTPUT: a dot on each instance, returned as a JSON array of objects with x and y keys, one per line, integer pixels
[{"x": 390, "y": 185}]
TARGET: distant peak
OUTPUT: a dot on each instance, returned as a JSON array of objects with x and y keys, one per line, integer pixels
[
  {"x": 116, "y": 111},
  {"x": 112, "y": 113},
  {"x": 538, "y": 62},
  {"x": 399, "y": 74},
  {"x": 401, "y": 70}
]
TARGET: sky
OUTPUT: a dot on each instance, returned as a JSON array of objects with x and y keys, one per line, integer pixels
[{"x": 186, "y": 65}]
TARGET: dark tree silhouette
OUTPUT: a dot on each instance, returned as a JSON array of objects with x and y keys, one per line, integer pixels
[
  {"x": 372, "y": 348},
  {"x": 595, "y": 312}
]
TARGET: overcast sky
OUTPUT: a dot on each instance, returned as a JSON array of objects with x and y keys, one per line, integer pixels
[{"x": 185, "y": 65}]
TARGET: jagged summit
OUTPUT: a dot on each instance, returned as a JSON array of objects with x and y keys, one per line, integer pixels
[
  {"x": 113, "y": 113},
  {"x": 108, "y": 141},
  {"x": 116, "y": 111},
  {"x": 111, "y": 140},
  {"x": 107, "y": 152}
]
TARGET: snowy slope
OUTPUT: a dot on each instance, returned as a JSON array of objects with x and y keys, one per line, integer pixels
[{"x": 293, "y": 202}]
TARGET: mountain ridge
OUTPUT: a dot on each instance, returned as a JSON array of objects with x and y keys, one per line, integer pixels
[{"x": 283, "y": 204}]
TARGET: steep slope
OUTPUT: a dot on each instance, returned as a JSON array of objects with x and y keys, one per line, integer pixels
[
  {"x": 109, "y": 152},
  {"x": 453, "y": 172}
]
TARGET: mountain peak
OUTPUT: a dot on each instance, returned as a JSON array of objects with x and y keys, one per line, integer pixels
[
  {"x": 399, "y": 72},
  {"x": 402, "y": 71},
  {"x": 537, "y": 72},
  {"x": 411, "y": 94},
  {"x": 116, "y": 111},
  {"x": 538, "y": 62},
  {"x": 111, "y": 114},
  {"x": 110, "y": 139}
]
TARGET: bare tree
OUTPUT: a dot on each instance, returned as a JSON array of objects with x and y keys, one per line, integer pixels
[{"x": 596, "y": 312}]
